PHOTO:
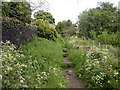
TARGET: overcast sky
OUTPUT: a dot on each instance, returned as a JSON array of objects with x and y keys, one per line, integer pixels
[{"x": 70, "y": 9}]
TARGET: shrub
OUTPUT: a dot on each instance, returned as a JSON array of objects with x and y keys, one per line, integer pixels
[
  {"x": 44, "y": 29},
  {"x": 107, "y": 38},
  {"x": 93, "y": 34},
  {"x": 65, "y": 28},
  {"x": 71, "y": 31},
  {"x": 18, "y": 10},
  {"x": 44, "y": 16}
]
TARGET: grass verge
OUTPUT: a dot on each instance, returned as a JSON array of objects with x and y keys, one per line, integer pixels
[
  {"x": 35, "y": 65},
  {"x": 98, "y": 66}
]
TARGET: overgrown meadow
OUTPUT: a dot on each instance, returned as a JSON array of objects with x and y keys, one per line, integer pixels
[
  {"x": 35, "y": 65},
  {"x": 96, "y": 65},
  {"x": 32, "y": 48}
]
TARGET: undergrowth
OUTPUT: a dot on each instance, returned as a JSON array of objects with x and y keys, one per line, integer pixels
[
  {"x": 98, "y": 66},
  {"x": 35, "y": 65}
]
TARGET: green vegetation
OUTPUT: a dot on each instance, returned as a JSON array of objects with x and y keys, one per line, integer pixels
[
  {"x": 107, "y": 38},
  {"x": 96, "y": 65},
  {"x": 45, "y": 16},
  {"x": 65, "y": 27},
  {"x": 44, "y": 29},
  {"x": 36, "y": 65},
  {"x": 94, "y": 22},
  {"x": 32, "y": 52},
  {"x": 19, "y": 10}
]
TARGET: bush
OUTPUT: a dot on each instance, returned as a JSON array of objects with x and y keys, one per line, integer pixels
[
  {"x": 44, "y": 16},
  {"x": 44, "y": 29},
  {"x": 107, "y": 38},
  {"x": 93, "y": 35},
  {"x": 71, "y": 31},
  {"x": 65, "y": 28},
  {"x": 16, "y": 32},
  {"x": 18, "y": 10}
]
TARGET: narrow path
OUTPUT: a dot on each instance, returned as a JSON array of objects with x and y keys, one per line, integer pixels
[{"x": 69, "y": 73}]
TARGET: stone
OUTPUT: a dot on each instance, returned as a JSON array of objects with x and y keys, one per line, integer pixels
[
  {"x": 69, "y": 72},
  {"x": 65, "y": 50}
]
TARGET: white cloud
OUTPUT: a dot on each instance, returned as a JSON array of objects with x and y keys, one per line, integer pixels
[{"x": 70, "y": 9}]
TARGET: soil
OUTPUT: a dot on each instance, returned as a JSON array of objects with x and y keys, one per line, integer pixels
[{"x": 69, "y": 74}]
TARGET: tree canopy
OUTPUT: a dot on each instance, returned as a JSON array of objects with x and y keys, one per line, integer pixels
[
  {"x": 95, "y": 20},
  {"x": 19, "y": 10},
  {"x": 45, "y": 16},
  {"x": 65, "y": 27}
]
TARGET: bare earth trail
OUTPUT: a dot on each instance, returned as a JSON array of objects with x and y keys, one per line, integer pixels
[{"x": 69, "y": 73}]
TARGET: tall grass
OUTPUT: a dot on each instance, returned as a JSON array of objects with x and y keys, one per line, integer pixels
[
  {"x": 98, "y": 66},
  {"x": 40, "y": 66}
]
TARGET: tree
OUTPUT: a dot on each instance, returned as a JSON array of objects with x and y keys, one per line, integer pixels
[
  {"x": 45, "y": 16},
  {"x": 61, "y": 27},
  {"x": 19, "y": 10},
  {"x": 99, "y": 19},
  {"x": 44, "y": 29},
  {"x": 69, "y": 22},
  {"x": 39, "y": 4},
  {"x": 83, "y": 24},
  {"x": 65, "y": 27}
]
